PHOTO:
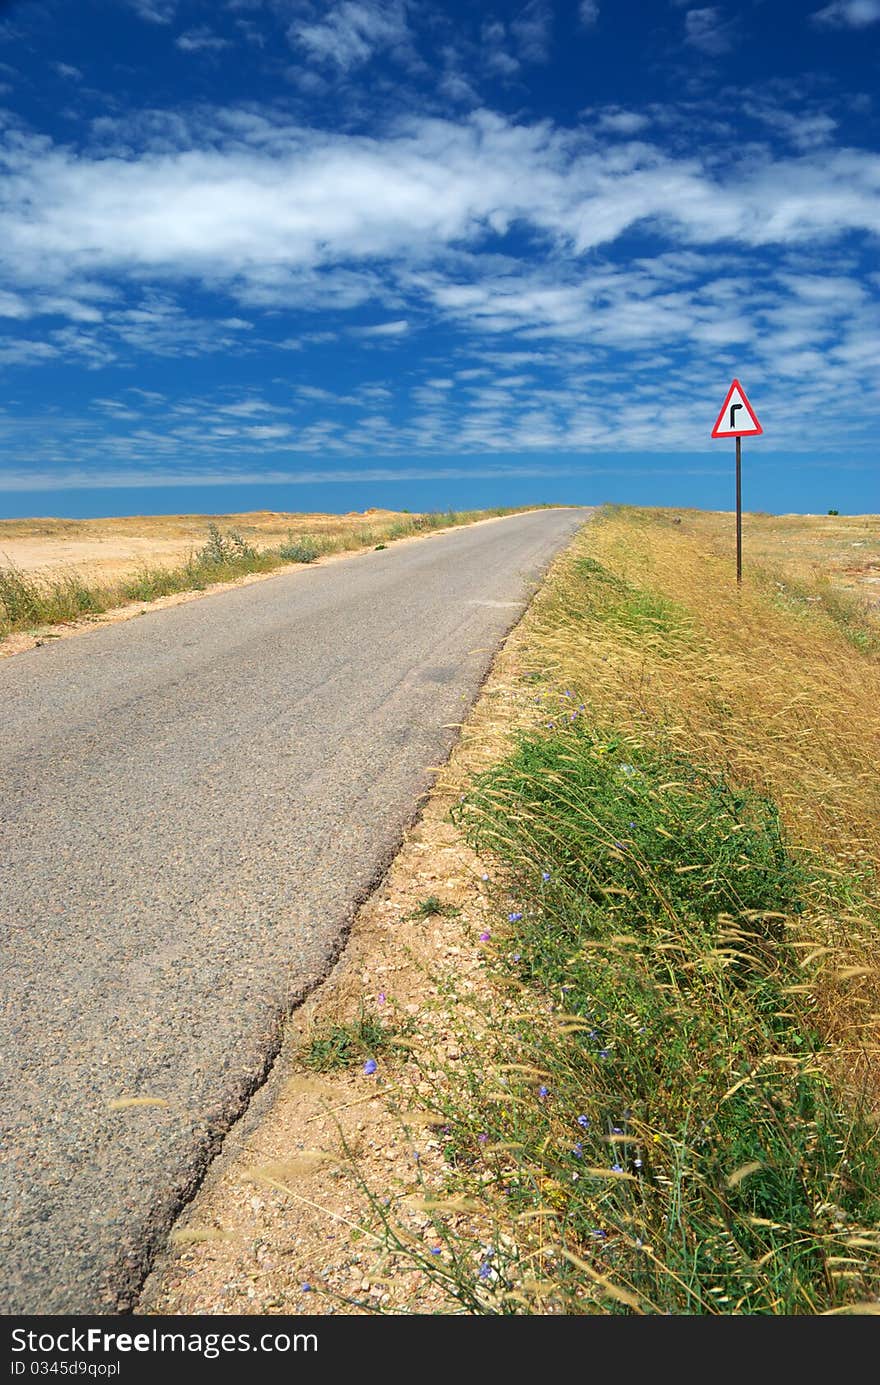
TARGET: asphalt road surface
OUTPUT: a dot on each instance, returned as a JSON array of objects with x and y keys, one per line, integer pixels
[{"x": 192, "y": 805}]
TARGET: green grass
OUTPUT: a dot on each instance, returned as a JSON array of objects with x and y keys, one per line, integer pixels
[
  {"x": 432, "y": 907},
  {"x": 632, "y": 609},
  {"x": 344, "y": 1045},
  {"x": 658, "y": 1105}
]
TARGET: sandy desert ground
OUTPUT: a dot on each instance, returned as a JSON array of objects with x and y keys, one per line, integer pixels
[{"x": 103, "y": 549}]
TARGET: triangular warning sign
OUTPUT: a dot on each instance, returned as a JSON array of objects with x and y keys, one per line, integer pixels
[{"x": 737, "y": 418}]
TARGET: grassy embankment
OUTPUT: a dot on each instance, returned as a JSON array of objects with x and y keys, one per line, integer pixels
[
  {"x": 678, "y": 1112},
  {"x": 30, "y": 600}
]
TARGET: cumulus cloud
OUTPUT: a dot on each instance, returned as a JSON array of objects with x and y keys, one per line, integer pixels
[{"x": 588, "y": 12}]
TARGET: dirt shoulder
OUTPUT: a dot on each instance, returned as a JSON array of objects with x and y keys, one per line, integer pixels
[{"x": 289, "y": 1217}]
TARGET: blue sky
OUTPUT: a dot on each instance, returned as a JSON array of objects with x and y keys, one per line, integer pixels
[{"x": 392, "y": 252}]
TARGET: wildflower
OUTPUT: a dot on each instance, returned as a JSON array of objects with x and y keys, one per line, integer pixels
[
  {"x": 482, "y": 1139},
  {"x": 436, "y": 1250},
  {"x": 516, "y": 957},
  {"x": 545, "y": 875},
  {"x": 603, "y": 1052},
  {"x": 306, "y": 1288},
  {"x": 637, "y": 1163},
  {"x": 543, "y": 1092},
  {"x": 485, "y": 1270},
  {"x": 620, "y": 846},
  {"x": 598, "y": 1234},
  {"x": 370, "y": 1066},
  {"x": 578, "y": 1150},
  {"x": 484, "y": 937},
  {"x": 584, "y": 1122},
  {"x": 616, "y": 1168},
  {"x": 514, "y": 918},
  {"x": 380, "y": 998},
  {"x": 484, "y": 877},
  {"x": 616, "y": 1130}
]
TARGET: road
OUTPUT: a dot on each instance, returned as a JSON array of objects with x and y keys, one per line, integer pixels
[{"x": 192, "y": 805}]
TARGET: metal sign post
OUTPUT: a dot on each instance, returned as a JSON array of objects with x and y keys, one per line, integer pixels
[{"x": 727, "y": 425}]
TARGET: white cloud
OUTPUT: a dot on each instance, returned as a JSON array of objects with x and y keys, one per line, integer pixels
[
  {"x": 849, "y": 14},
  {"x": 588, "y": 12},
  {"x": 746, "y": 274},
  {"x": 154, "y": 11},
  {"x": 200, "y": 40},
  {"x": 384, "y": 329},
  {"x": 349, "y": 33},
  {"x": 619, "y": 122},
  {"x": 530, "y": 30},
  {"x": 18, "y": 351},
  {"x": 705, "y": 29},
  {"x": 278, "y": 213}
]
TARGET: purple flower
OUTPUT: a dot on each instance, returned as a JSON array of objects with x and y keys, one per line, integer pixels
[
  {"x": 598, "y": 1234},
  {"x": 603, "y": 1052},
  {"x": 516, "y": 956},
  {"x": 584, "y": 1122},
  {"x": 514, "y": 918},
  {"x": 306, "y": 1288},
  {"x": 380, "y": 998},
  {"x": 370, "y": 1066},
  {"x": 485, "y": 1270},
  {"x": 543, "y": 1092},
  {"x": 436, "y": 1250},
  {"x": 615, "y": 1168},
  {"x": 482, "y": 1139},
  {"x": 578, "y": 1150},
  {"x": 545, "y": 875},
  {"x": 484, "y": 937},
  {"x": 637, "y": 1163}
]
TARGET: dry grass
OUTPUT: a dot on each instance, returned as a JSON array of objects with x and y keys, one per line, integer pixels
[{"x": 774, "y": 695}]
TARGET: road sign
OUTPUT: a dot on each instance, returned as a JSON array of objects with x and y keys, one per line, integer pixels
[{"x": 737, "y": 418}]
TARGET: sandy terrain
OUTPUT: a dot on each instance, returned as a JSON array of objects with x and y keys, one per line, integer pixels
[
  {"x": 843, "y": 548},
  {"x": 102, "y": 549}
]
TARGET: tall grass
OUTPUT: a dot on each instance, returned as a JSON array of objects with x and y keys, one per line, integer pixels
[
  {"x": 28, "y": 601},
  {"x": 673, "y": 1105}
]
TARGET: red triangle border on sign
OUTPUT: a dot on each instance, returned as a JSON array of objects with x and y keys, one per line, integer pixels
[{"x": 737, "y": 433}]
